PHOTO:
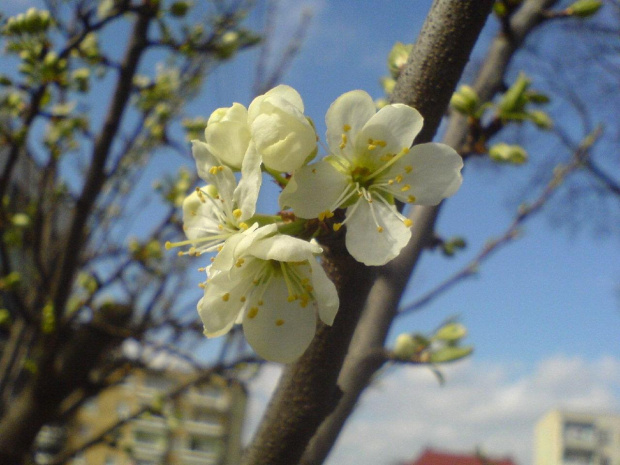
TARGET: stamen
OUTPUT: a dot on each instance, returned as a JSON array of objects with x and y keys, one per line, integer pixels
[
  {"x": 252, "y": 312},
  {"x": 279, "y": 322},
  {"x": 346, "y": 128},
  {"x": 237, "y": 213},
  {"x": 226, "y": 297},
  {"x": 408, "y": 222},
  {"x": 405, "y": 188},
  {"x": 411, "y": 198}
]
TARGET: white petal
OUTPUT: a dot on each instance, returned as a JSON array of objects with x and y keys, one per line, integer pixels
[
  {"x": 313, "y": 189},
  {"x": 222, "y": 303},
  {"x": 282, "y": 135},
  {"x": 364, "y": 241},
  {"x": 284, "y": 248},
  {"x": 434, "y": 174},
  {"x": 234, "y": 248},
  {"x": 396, "y": 125},
  {"x": 282, "y": 91},
  {"x": 281, "y": 330},
  {"x": 223, "y": 179},
  {"x": 228, "y": 134},
  {"x": 199, "y": 219},
  {"x": 246, "y": 193},
  {"x": 351, "y": 110},
  {"x": 325, "y": 293}
]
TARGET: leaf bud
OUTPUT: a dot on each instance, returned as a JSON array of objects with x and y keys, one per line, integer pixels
[
  {"x": 584, "y": 8},
  {"x": 541, "y": 119},
  {"x": 398, "y": 57},
  {"x": 405, "y": 347},
  {"x": 465, "y": 100},
  {"x": 504, "y": 153}
]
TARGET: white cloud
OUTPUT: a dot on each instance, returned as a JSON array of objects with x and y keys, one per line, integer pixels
[{"x": 492, "y": 405}]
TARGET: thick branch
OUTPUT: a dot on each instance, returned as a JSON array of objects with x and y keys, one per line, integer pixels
[
  {"x": 307, "y": 391},
  {"x": 386, "y": 293}
]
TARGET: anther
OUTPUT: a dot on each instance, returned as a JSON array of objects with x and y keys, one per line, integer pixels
[
  {"x": 407, "y": 222},
  {"x": 279, "y": 322},
  {"x": 252, "y": 312},
  {"x": 225, "y": 297},
  {"x": 405, "y": 188},
  {"x": 237, "y": 212}
]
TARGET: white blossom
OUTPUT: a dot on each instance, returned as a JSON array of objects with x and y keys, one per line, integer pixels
[
  {"x": 273, "y": 285},
  {"x": 221, "y": 209},
  {"x": 371, "y": 164}
]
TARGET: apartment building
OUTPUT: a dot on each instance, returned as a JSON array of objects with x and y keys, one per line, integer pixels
[
  {"x": 201, "y": 426},
  {"x": 572, "y": 438}
]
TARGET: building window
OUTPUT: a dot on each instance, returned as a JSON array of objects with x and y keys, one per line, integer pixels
[
  {"x": 578, "y": 457},
  {"x": 205, "y": 444},
  {"x": 207, "y": 417},
  {"x": 576, "y": 431},
  {"x": 147, "y": 438}
]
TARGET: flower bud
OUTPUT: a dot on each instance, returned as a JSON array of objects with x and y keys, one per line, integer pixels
[{"x": 514, "y": 99}]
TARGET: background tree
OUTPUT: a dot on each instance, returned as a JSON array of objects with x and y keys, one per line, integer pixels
[{"x": 73, "y": 283}]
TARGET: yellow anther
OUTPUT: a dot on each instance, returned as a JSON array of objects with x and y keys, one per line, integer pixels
[
  {"x": 407, "y": 222},
  {"x": 337, "y": 226},
  {"x": 342, "y": 145},
  {"x": 202, "y": 285},
  {"x": 243, "y": 225},
  {"x": 398, "y": 178},
  {"x": 202, "y": 269},
  {"x": 379, "y": 229},
  {"x": 225, "y": 297},
  {"x": 237, "y": 212},
  {"x": 191, "y": 251},
  {"x": 371, "y": 146},
  {"x": 390, "y": 182},
  {"x": 387, "y": 157},
  {"x": 220, "y": 168},
  {"x": 180, "y": 254},
  {"x": 260, "y": 303},
  {"x": 242, "y": 299},
  {"x": 314, "y": 170},
  {"x": 411, "y": 199},
  {"x": 308, "y": 288},
  {"x": 220, "y": 227},
  {"x": 212, "y": 259},
  {"x": 405, "y": 188},
  {"x": 279, "y": 322},
  {"x": 213, "y": 170},
  {"x": 381, "y": 143},
  {"x": 291, "y": 298},
  {"x": 168, "y": 245},
  {"x": 252, "y": 312},
  {"x": 346, "y": 128},
  {"x": 325, "y": 214},
  {"x": 240, "y": 262},
  {"x": 408, "y": 169},
  {"x": 405, "y": 150},
  {"x": 219, "y": 248}
]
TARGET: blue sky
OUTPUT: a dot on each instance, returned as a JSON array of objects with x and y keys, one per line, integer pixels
[{"x": 543, "y": 314}]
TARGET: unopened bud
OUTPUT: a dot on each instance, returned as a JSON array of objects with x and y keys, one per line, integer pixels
[
  {"x": 465, "y": 100},
  {"x": 398, "y": 58},
  {"x": 541, "y": 119},
  {"x": 405, "y": 347}
]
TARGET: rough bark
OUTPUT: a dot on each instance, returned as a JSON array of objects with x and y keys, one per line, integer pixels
[
  {"x": 387, "y": 290},
  {"x": 307, "y": 391}
]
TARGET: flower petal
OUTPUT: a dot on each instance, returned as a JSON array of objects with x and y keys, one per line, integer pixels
[
  {"x": 282, "y": 135},
  {"x": 222, "y": 178},
  {"x": 227, "y": 134},
  {"x": 325, "y": 293},
  {"x": 394, "y": 126},
  {"x": 364, "y": 240},
  {"x": 430, "y": 173},
  {"x": 199, "y": 218},
  {"x": 246, "y": 193},
  {"x": 282, "y": 91},
  {"x": 347, "y": 115},
  {"x": 280, "y": 331},
  {"x": 222, "y": 301},
  {"x": 313, "y": 189},
  {"x": 284, "y": 248}
]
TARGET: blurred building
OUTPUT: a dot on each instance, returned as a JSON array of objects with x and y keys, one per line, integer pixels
[
  {"x": 434, "y": 457},
  {"x": 201, "y": 426},
  {"x": 571, "y": 438}
]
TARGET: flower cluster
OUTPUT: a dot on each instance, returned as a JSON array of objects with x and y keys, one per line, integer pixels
[{"x": 265, "y": 274}]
